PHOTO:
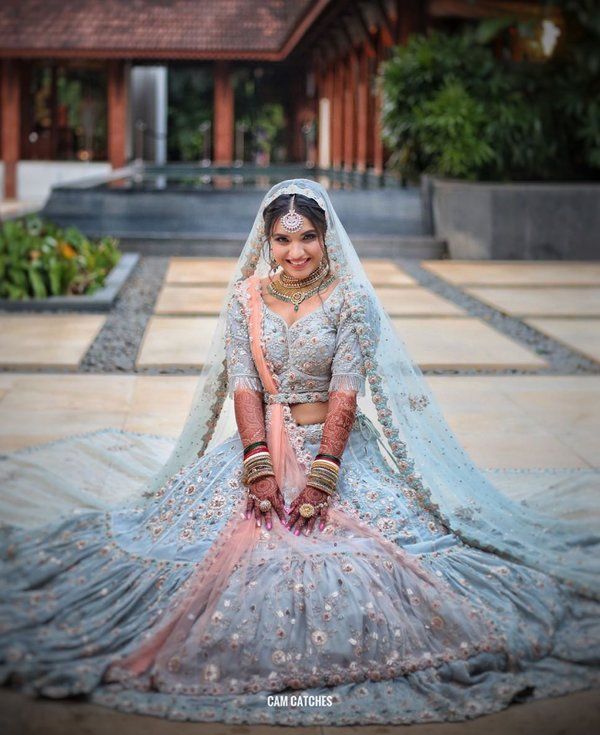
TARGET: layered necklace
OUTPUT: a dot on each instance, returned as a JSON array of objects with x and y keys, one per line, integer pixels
[{"x": 295, "y": 290}]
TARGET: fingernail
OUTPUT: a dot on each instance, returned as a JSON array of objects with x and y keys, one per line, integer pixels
[
  {"x": 269, "y": 526},
  {"x": 297, "y": 532},
  {"x": 258, "y": 523},
  {"x": 321, "y": 527}
]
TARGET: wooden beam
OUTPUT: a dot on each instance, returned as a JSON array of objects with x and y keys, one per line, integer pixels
[
  {"x": 388, "y": 25},
  {"x": 490, "y": 8},
  {"x": 362, "y": 21},
  {"x": 348, "y": 36},
  {"x": 350, "y": 93},
  {"x": 117, "y": 113},
  {"x": 362, "y": 111},
  {"x": 10, "y": 110},
  {"x": 223, "y": 115}
]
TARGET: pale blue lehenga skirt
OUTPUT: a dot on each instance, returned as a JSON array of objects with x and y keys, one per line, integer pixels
[{"x": 392, "y": 617}]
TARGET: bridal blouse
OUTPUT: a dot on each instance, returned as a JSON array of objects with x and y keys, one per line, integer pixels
[{"x": 315, "y": 355}]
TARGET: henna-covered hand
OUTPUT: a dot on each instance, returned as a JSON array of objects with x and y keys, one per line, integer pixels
[
  {"x": 339, "y": 421},
  {"x": 265, "y": 488},
  {"x": 250, "y": 418},
  {"x": 314, "y": 496}
]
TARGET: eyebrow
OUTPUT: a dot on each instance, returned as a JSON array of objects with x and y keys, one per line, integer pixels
[{"x": 285, "y": 234}]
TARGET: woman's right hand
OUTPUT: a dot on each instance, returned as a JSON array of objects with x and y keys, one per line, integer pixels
[{"x": 266, "y": 488}]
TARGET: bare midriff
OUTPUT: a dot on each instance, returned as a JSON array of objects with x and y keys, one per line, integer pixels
[{"x": 309, "y": 413}]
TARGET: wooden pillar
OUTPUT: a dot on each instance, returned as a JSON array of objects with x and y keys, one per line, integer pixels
[
  {"x": 362, "y": 112},
  {"x": 377, "y": 141},
  {"x": 117, "y": 114},
  {"x": 10, "y": 105},
  {"x": 223, "y": 115},
  {"x": 337, "y": 115},
  {"x": 350, "y": 93}
]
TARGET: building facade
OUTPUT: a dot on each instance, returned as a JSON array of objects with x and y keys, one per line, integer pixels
[{"x": 84, "y": 83}]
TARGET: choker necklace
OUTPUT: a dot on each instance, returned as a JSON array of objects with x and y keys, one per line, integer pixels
[
  {"x": 297, "y": 296},
  {"x": 290, "y": 282}
]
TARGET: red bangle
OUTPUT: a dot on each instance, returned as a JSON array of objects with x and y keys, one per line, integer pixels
[{"x": 252, "y": 452}]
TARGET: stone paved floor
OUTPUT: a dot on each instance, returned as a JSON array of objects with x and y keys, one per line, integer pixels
[{"x": 575, "y": 714}]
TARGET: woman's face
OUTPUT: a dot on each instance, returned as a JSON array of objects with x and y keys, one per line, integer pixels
[{"x": 298, "y": 253}]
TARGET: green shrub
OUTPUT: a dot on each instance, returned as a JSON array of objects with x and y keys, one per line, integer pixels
[
  {"x": 39, "y": 259},
  {"x": 450, "y": 107}
]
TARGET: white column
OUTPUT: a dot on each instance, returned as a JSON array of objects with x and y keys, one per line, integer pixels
[{"x": 324, "y": 133}]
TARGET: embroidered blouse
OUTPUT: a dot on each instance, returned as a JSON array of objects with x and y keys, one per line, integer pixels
[{"x": 317, "y": 354}]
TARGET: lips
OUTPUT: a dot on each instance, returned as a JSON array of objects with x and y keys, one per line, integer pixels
[{"x": 298, "y": 265}]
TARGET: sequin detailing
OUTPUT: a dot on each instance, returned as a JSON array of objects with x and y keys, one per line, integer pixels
[{"x": 318, "y": 353}]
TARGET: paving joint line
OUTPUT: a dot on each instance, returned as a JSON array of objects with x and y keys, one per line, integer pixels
[{"x": 562, "y": 360}]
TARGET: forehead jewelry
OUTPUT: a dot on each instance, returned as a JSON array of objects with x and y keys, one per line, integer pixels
[{"x": 292, "y": 221}]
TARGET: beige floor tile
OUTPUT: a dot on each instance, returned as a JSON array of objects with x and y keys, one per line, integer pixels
[
  {"x": 461, "y": 342},
  {"x": 382, "y": 272},
  {"x": 516, "y": 273},
  {"x": 503, "y": 421},
  {"x": 87, "y": 393},
  {"x": 47, "y": 340},
  {"x": 416, "y": 301},
  {"x": 160, "y": 404},
  {"x": 548, "y": 301},
  {"x": 200, "y": 300},
  {"x": 22, "y": 428},
  {"x": 207, "y": 271},
  {"x": 582, "y": 335},
  {"x": 176, "y": 341},
  {"x": 523, "y": 421}
]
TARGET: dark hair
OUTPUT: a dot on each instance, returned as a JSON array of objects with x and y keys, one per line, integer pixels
[{"x": 307, "y": 207}]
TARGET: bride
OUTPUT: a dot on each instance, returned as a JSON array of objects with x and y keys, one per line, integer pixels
[{"x": 338, "y": 546}]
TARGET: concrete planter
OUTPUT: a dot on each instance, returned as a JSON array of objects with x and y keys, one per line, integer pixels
[
  {"x": 101, "y": 300},
  {"x": 514, "y": 221}
]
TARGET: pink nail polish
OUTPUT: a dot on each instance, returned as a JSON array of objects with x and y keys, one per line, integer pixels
[
  {"x": 269, "y": 526},
  {"x": 297, "y": 532}
]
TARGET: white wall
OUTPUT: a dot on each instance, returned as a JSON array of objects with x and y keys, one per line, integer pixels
[
  {"x": 324, "y": 133},
  {"x": 149, "y": 104},
  {"x": 35, "y": 178}
]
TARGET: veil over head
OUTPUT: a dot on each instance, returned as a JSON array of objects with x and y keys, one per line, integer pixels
[{"x": 418, "y": 443}]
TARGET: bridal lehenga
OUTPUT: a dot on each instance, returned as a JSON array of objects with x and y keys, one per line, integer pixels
[{"x": 131, "y": 574}]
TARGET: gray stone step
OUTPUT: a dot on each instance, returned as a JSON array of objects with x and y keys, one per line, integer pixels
[{"x": 376, "y": 246}]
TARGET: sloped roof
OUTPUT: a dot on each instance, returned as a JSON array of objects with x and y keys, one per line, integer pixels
[{"x": 155, "y": 28}]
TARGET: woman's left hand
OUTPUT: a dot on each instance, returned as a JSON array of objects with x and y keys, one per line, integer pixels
[{"x": 314, "y": 496}]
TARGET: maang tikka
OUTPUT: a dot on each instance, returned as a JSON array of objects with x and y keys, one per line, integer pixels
[{"x": 292, "y": 221}]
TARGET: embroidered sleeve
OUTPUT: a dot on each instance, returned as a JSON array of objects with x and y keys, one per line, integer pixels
[
  {"x": 347, "y": 368},
  {"x": 241, "y": 370}
]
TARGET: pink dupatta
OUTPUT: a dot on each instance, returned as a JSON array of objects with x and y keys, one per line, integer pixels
[{"x": 288, "y": 471}]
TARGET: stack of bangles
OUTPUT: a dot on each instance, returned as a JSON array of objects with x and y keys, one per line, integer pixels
[
  {"x": 324, "y": 473},
  {"x": 257, "y": 462}
]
